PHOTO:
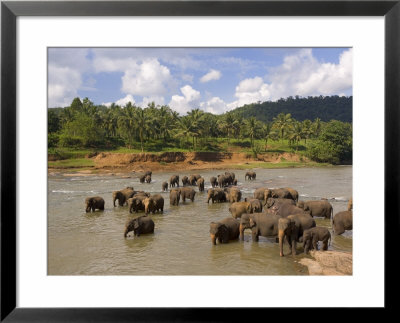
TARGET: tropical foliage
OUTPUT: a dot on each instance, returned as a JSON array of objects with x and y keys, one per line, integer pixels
[{"x": 85, "y": 125}]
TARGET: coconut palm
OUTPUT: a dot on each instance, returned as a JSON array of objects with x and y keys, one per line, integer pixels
[{"x": 282, "y": 122}]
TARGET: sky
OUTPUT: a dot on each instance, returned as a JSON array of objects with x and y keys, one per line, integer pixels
[{"x": 215, "y": 80}]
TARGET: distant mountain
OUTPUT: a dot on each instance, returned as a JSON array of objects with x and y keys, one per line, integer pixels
[{"x": 324, "y": 107}]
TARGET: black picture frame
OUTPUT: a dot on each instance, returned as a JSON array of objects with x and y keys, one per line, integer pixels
[{"x": 10, "y": 10}]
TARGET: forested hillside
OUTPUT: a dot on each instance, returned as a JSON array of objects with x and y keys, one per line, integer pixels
[{"x": 323, "y": 107}]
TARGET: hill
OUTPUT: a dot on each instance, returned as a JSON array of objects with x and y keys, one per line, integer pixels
[{"x": 324, "y": 107}]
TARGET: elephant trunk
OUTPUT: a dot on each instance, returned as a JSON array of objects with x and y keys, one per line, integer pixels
[
  {"x": 213, "y": 239},
  {"x": 126, "y": 232},
  {"x": 241, "y": 231},
  {"x": 281, "y": 235},
  {"x": 88, "y": 208},
  {"x": 114, "y": 199}
]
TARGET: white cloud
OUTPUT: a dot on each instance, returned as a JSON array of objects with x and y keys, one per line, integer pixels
[
  {"x": 215, "y": 105},
  {"x": 63, "y": 85},
  {"x": 300, "y": 74},
  {"x": 158, "y": 100},
  {"x": 147, "y": 79},
  {"x": 211, "y": 75},
  {"x": 189, "y": 100}
]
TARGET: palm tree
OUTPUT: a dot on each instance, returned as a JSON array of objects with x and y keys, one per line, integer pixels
[
  {"x": 266, "y": 130},
  {"x": 127, "y": 124},
  {"x": 228, "y": 125},
  {"x": 307, "y": 130},
  {"x": 142, "y": 124},
  {"x": 185, "y": 128},
  {"x": 282, "y": 122},
  {"x": 297, "y": 133},
  {"x": 317, "y": 125},
  {"x": 252, "y": 129},
  {"x": 196, "y": 117}
]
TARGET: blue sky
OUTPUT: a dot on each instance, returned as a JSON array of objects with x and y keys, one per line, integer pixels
[{"x": 213, "y": 79}]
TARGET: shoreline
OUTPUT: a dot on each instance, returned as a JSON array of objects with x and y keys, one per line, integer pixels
[{"x": 123, "y": 163}]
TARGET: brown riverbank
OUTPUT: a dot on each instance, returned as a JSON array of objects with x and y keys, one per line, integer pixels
[{"x": 106, "y": 162}]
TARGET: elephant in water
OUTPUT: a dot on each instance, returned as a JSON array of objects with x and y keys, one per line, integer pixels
[
  {"x": 256, "y": 205},
  {"x": 154, "y": 203},
  {"x": 93, "y": 203},
  {"x": 320, "y": 208},
  {"x": 135, "y": 203},
  {"x": 123, "y": 195},
  {"x": 200, "y": 184},
  {"x": 174, "y": 180},
  {"x": 185, "y": 180},
  {"x": 187, "y": 193},
  {"x": 239, "y": 208},
  {"x": 174, "y": 196},
  {"x": 342, "y": 221},
  {"x": 313, "y": 235},
  {"x": 216, "y": 195},
  {"x": 259, "y": 193},
  {"x": 282, "y": 193},
  {"x": 261, "y": 224},
  {"x": 164, "y": 187},
  {"x": 148, "y": 178},
  {"x": 292, "y": 227},
  {"x": 213, "y": 181},
  {"x": 233, "y": 194},
  {"x": 224, "y": 230},
  {"x": 142, "y": 224},
  {"x": 250, "y": 175}
]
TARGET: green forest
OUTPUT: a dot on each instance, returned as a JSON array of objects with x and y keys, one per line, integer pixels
[{"x": 317, "y": 127}]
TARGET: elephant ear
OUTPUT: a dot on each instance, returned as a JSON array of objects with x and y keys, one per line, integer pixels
[
  {"x": 251, "y": 221},
  {"x": 136, "y": 224},
  {"x": 224, "y": 231}
]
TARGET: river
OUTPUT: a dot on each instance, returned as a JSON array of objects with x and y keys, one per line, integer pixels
[{"x": 81, "y": 243}]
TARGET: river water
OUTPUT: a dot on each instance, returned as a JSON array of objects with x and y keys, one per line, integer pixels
[{"x": 81, "y": 243}]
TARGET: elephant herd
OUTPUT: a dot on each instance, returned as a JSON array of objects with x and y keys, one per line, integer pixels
[{"x": 272, "y": 212}]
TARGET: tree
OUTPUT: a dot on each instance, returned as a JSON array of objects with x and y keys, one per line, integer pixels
[
  {"x": 252, "y": 129},
  {"x": 282, "y": 122}
]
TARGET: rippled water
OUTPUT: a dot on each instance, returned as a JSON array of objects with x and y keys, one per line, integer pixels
[{"x": 81, "y": 243}]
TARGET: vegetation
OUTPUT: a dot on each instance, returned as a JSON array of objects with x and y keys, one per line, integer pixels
[{"x": 84, "y": 127}]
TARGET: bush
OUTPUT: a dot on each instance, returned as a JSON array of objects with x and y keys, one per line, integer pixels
[
  {"x": 70, "y": 141},
  {"x": 52, "y": 140}
]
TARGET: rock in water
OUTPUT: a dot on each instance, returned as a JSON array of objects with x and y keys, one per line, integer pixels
[{"x": 329, "y": 263}]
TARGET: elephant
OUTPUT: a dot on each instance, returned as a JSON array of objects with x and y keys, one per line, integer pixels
[
  {"x": 317, "y": 208},
  {"x": 222, "y": 181},
  {"x": 261, "y": 224},
  {"x": 293, "y": 193},
  {"x": 277, "y": 202},
  {"x": 196, "y": 176},
  {"x": 187, "y": 193},
  {"x": 224, "y": 230},
  {"x": 256, "y": 205},
  {"x": 216, "y": 194},
  {"x": 259, "y": 193},
  {"x": 250, "y": 176},
  {"x": 192, "y": 180},
  {"x": 123, "y": 195},
  {"x": 235, "y": 181},
  {"x": 142, "y": 178},
  {"x": 140, "y": 225},
  {"x": 313, "y": 235},
  {"x": 185, "y": 181},
  {"x": 147, "y": 178},
  {"x": 153, "y": 203},
  {"x": 229, "y": 177},
  {"x": 93, "y": 203},
  {"x": 135, "y": 203},
  {"x": 174, "y": 196},
  {"x": 149, "y": 172},
  {"x": 292, "y": 227},
  {"x": 286, "y": 209},
  {"x": 233, "y": 194},
  {"x": 350, "y": 204},
  {"x": 164, "y": 187},
  {"x": 213, "y": 181},
  {"x": 239, "y": 208},
  {"x": 174, "y": 180},
  {"x": 277, "y": 193},
  {"x": 231, "y": 174},
  {"x": 200, "y": 184},
  {"x": 342, "y": 221}
]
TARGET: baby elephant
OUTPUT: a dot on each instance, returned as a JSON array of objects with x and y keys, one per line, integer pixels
[
  {"x": 140, "y": 225},
  {"x": 224, "y": 230},
  {"x": 93, "y": 203},
  {"x": 164, "y": 187},
  {"x": 313, "y": 235},
  {"x": 154, "y": 203}
]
